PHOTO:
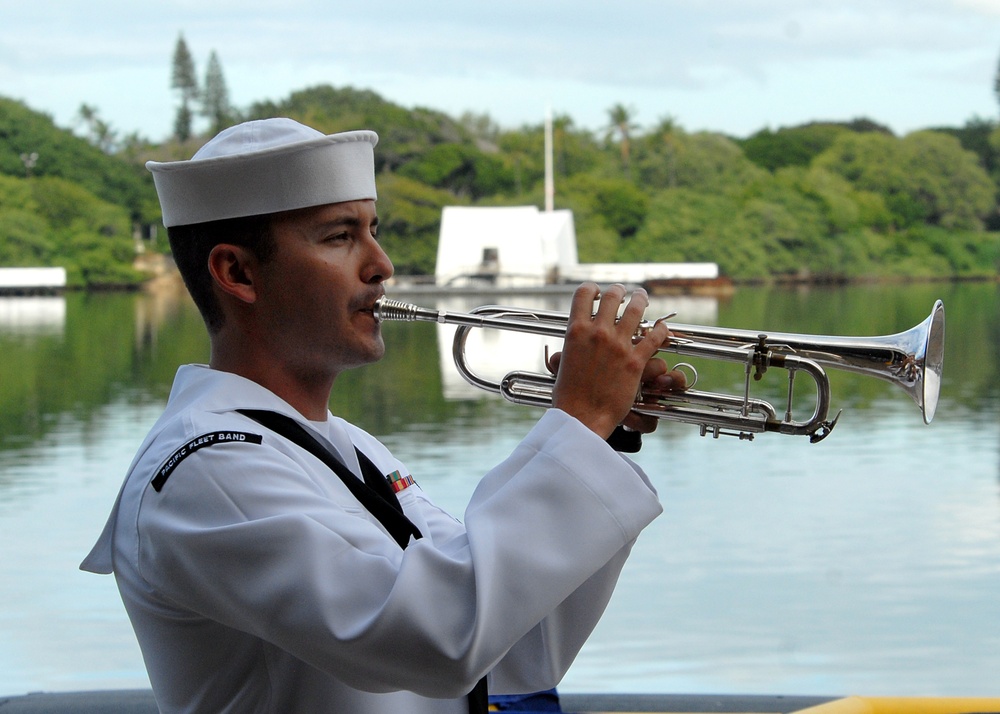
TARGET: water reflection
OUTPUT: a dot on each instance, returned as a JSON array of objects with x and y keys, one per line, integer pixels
[
  {"x": 31, "y": 316},
  {"x": 493, "y": 353}
]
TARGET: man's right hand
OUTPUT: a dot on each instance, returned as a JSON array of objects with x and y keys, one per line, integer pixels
[{"x": 601, "y": 365}]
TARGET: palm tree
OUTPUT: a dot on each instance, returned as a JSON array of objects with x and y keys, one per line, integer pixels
[
  {"x": 621, "y": 122},
  {"x": 99, "y": 132},
  {"x": 668, "y": 131}
]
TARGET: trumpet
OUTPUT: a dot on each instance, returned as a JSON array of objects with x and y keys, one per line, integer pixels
[{"x": 913, "y": 360}]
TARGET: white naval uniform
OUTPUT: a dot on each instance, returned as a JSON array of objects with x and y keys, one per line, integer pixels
[{"x": 255, "y": 582}]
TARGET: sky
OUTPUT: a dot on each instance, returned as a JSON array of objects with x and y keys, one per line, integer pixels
[{"x": 732, "y": 66}]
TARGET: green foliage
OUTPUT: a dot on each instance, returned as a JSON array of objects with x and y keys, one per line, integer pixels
[
  {"x": 656, "y": 155},
  {"x": 976, "y": 136},
  {"x": 832, "y": 220},
  {"x": 60, "y": 154},
  {"x": 953, "y": 189},
  {"x": 933, "y": 252},
  {"x": 712, "y": 163},
  {"x": 409, "y": 221},
  {"x": 622, "y": 206},
  {"x": 574, "y": 152},
  {"x": 462, "y": 169},
  {"x": 23, "y": 238},
  {"x": 404, "y": 135},
  {"x": 821, "y": 202},
  {"x": 49, "y": 221},
  {"x": 596, "y": 241},
  {"x": 799, "y": 145},
  {"x": 926, "y": 177},
  {"x": 795, "y": 146},
  {"x": 684, "y": 224}
]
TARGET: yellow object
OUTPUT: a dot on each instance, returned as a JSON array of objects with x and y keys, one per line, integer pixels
[{"x": 907, "y": 705}]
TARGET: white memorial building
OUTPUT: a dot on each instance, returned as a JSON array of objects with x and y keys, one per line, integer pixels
[{"x": 524, "y": 247}]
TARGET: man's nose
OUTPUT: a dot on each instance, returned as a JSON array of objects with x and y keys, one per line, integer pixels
[{"x": 379, "y": 267}]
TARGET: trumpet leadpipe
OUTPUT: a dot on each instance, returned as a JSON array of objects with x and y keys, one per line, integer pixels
[{"x": 536, "y": 322}]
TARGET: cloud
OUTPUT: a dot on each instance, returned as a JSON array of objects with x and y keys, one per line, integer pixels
[
  {"x": 988, "y": 7},
  {"x": 508, "y": 59}
]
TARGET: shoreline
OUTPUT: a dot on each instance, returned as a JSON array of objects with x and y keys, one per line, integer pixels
[{"x": 164, "y": 278}]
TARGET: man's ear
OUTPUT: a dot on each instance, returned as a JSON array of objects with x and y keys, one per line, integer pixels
[{"x": 234, "y": 268}]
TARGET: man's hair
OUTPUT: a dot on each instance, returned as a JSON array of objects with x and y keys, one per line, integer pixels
[{"x": 192, "y": 244}]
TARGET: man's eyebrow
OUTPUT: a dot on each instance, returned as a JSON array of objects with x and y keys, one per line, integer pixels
[{"x": 345, "y": 222}]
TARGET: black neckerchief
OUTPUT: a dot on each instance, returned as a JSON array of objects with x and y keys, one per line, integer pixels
[{"x": 374, "y": 493}]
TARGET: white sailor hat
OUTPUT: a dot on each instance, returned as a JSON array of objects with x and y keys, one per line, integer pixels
[{"x": 265, "y": 166}]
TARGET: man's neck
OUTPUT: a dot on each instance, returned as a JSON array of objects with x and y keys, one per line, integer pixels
[{"x": 308, "y": 394}]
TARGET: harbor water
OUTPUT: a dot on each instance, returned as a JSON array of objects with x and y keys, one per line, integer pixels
[{"x": 866, "y": 564}]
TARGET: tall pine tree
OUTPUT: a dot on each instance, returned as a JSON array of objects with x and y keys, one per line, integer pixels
[
  {"x": 184, "y": 80},
  {"x": 215, "y": 104},
  {"x": 996, "y": 84}
]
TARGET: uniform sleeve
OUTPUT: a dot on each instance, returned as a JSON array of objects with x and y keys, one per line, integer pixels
[
  {"x": 245, "y": 536},
  {"x": 591, "y": 506}
]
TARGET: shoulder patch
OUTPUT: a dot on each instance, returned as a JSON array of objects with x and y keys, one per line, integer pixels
[{"x": 212, "y": 438}]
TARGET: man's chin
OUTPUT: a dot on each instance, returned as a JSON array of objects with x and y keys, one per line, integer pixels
[{"x": 374, "y": 353}]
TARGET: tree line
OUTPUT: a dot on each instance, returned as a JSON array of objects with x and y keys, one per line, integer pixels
[{"x": 824, "y": 201}]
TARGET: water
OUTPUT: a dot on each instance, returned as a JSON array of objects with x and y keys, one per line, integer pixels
[{"x": 866, "y": 564}]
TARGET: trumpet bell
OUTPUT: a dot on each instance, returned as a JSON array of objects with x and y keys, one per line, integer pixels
[
  {"x": 933, "y": 361},
  {"x": 912, "y": 360}
]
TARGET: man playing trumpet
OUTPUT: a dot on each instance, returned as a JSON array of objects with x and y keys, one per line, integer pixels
[{"x": 275, "y": 558}]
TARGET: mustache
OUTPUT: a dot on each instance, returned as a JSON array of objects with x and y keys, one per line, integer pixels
[{"x": 366, "y": 301}]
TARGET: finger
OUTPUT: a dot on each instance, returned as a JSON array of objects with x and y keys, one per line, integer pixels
[
  {"x": 634, "y": 311},
  {"x": 654, "y": 368},
  {"x": 582, "y": 305},
  {"x": 611, "y": 301},
  {"x": 657, "y": 337},
  {"x": 640, "y": 422},
  {"x": 552, "y": 362},
  {"x": 678, "y": 379},
  {"x": 672, "y": 381}
]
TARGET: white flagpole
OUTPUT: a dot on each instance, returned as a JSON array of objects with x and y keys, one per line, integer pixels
[{"x": 550, "y": 189}]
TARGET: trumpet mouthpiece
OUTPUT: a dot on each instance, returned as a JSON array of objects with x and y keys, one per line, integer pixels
[{"x": 386, "y": 309}]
